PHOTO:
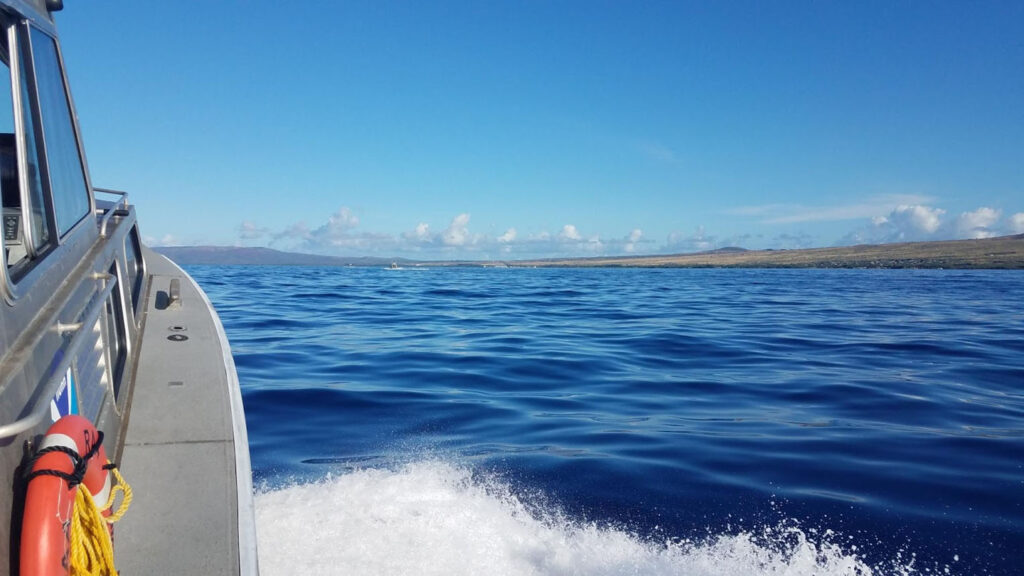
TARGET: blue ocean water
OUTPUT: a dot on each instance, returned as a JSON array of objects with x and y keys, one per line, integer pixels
[{"x": 631, "y": 421}]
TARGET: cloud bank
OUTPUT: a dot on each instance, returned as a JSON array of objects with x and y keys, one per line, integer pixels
[
  {"x": 912, "y": 223},
  {"x": 1017, "y": 223},
  {"x": 341, "y": 234},
  {"x": 872, "y": 207}
]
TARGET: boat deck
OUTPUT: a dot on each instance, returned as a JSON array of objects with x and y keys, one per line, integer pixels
[{"x": 193, "y": 488}]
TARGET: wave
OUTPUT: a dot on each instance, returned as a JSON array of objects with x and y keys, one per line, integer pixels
[{"x": 433, "y": 517}]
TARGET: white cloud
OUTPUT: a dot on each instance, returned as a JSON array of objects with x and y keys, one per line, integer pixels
[
  {"x": 569, "y": 232},
  {"x": 916, "y": 219},
  {"x": 912, "y": 223},
  {"x": 891, "y": 217},
  {"x": 699, "y": 241},
  {"x": 339, "y": 224},
  {"x": 165, "y": 240},
  {"x": 508, "y": 236},
  {"x": 632, "y": 239},
  {"x": 297, "y": 230},
  {"x": 337, "y": 232},
  {"x": 457, "y": 233},
  {"x": 905, "y": 223},
  {"x": 249, "y": 231},
  {"x": 335, "y": 236},
  {"x": 1017, "y": 223},
  {"x": 797, "y": 213},
  {"x": 421, "y": 233},
  {"x": 978, "y": 224}
]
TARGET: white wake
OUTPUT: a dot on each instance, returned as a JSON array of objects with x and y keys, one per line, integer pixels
[{"x": 436, "y": 518}]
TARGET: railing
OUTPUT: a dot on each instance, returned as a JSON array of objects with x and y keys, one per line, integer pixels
[
  {"x": 118, "y": 209},
  {"x": 42, "y": 402}
]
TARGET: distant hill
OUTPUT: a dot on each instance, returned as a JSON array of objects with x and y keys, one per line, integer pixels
[
  {"x": 1004, "y": 252},
  {"x": 243, "y": 256}
]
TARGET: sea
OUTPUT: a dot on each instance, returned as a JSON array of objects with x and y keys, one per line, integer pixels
[{"x": 493, "y": 421}]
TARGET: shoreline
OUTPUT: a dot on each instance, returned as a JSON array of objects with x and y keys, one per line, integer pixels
[
  {"x": 1002, "y": 253},
  {"x": 1006, "y": 252}
]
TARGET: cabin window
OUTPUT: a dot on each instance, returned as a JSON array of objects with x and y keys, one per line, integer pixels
[
  {"x": 14, "y": 249},
  {"x": 28, "y": 210},
  {"x": 67, "y": 175},
  {"x": 114, "y": 336},
  {"x": 134, "y": 262}
]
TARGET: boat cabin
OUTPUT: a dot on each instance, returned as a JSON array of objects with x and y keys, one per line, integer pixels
[
  {"x": 77, "y": 292},
  {"x": 72, "y": 271}
]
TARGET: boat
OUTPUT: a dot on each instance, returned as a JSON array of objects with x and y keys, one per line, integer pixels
[{"x": 97, "y": 328}]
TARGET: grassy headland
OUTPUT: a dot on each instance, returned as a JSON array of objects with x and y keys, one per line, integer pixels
[{"x": 1006, "y": 252}]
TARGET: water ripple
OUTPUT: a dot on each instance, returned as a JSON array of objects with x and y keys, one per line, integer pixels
[{"x": 886, "y": 403}]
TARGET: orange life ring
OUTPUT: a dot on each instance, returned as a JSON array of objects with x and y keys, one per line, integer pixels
[{"x": 71, "y": 453}]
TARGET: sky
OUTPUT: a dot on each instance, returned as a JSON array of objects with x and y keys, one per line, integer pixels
[{"x": 503, "y": 130}]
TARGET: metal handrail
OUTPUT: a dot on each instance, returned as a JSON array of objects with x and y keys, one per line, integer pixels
[
  {"x": 107, "y": 214},
  {"x": 39, "y": 411}
]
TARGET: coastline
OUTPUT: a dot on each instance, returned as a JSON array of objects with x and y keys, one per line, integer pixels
[
  {"x": 1002, "y": 253},
  {"x": 1006, "y": 252}
]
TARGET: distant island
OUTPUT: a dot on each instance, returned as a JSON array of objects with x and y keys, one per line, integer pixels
[
  {"x": 254, "y": 256},
  {"x": 1006, "y": 252}
]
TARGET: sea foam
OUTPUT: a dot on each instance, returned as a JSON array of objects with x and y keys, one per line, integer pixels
[{"x": 438, "y": 518}]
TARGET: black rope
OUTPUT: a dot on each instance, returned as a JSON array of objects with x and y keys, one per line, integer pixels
[
  {"x": 29, "y": 473},
  {"x": 71, "y": 452},
  {"x": 73, "y": 478}
]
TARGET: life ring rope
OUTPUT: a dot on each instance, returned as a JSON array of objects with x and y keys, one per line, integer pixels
[
  {"x": 91, "y": 548},
  {"x": 119, "y": 486},
  {"x": 92, "y": 552},
  {"x": 81, "y": 462}
]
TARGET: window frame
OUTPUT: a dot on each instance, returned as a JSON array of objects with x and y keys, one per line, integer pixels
[
  {"x": 116, "y": 339},
  {"x": 22, "y": 80},
  {"x": 133, "y": 243},
  {"x": 18, "y": 30},
  {"x": 40, "y": 130}
]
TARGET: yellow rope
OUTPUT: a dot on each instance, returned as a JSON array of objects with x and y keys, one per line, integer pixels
[
  {"x": 123, "y": 488},
  {"x": 92, "y": 552}
]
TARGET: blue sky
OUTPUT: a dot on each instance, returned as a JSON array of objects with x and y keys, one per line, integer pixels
[{"x": 521, "y": 129}]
